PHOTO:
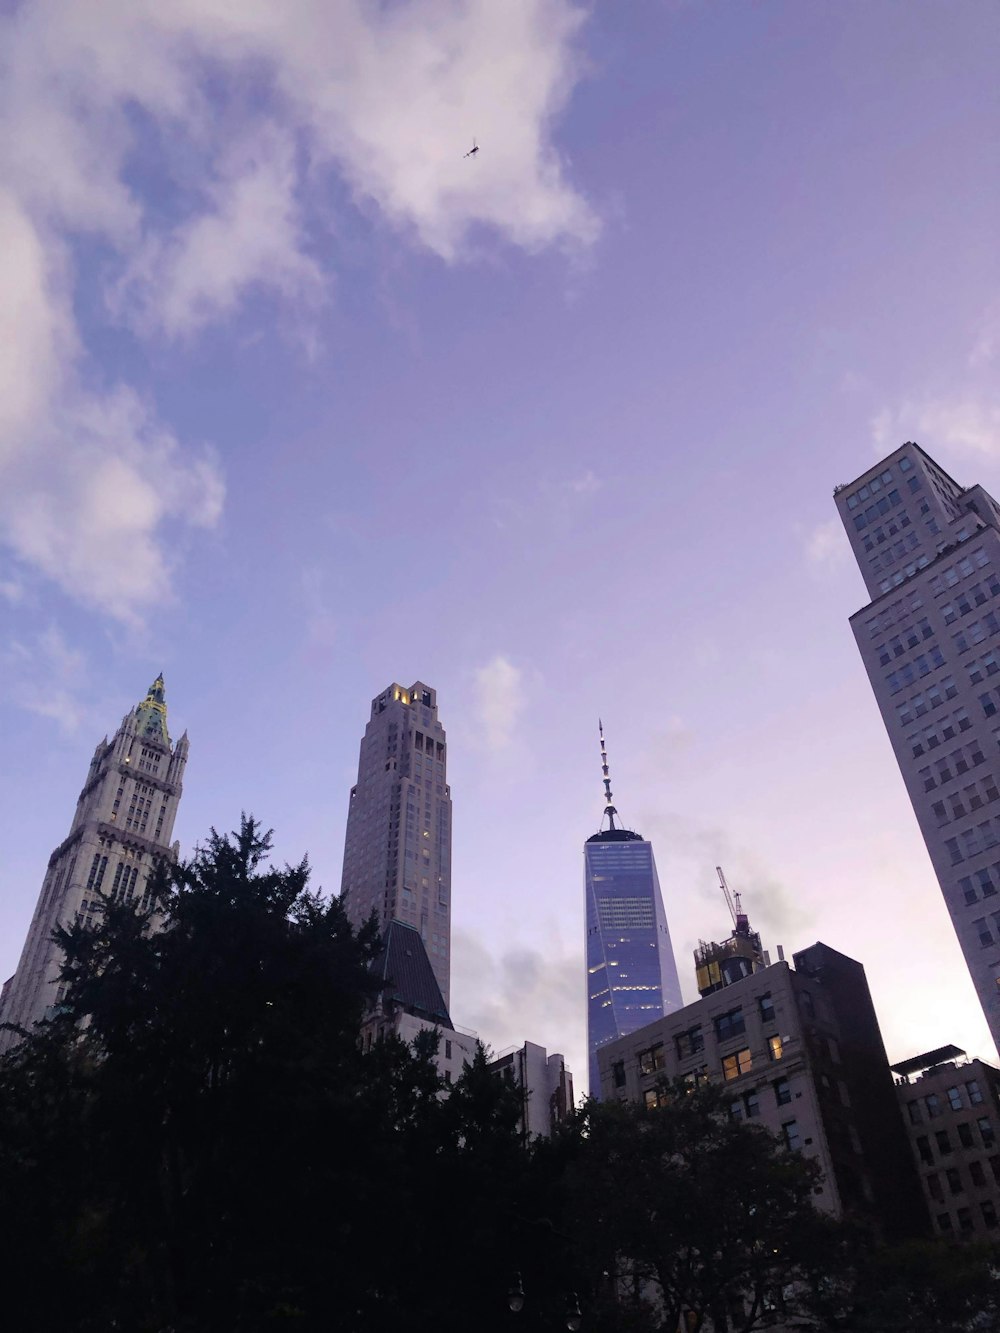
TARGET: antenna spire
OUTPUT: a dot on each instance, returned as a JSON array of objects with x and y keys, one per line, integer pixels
[{"x": 609, "y": 808}]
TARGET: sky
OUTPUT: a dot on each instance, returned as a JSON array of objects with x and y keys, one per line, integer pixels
[{"x": 296, "y": 401}]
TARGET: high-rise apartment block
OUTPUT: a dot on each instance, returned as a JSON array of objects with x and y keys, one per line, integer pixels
[
  {"x": 631, "y": 972},
  {"x": 929, "y": 552},
  {"x": 397, "y": 853},
  {"x": 122, "y": 828},
  {"x": 951, "y": 1108}
]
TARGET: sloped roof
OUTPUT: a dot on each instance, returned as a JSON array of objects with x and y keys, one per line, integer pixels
[{"x": 409, "y": 979}]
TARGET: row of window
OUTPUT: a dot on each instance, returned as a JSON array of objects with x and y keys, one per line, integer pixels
[
  {"x": 873, "y": 487},
  {"x": 966, "y": 801},
  {"x": 954, "y": 1180},
  {"x": 962, "y": 569},
  {"x": 971, "y": 841},
  {"x": 977, "y": 594},
  {"x": 934, "y": 1107},
  {"x": 887, "y": 558},
  {"x": 741, "y": 1062},
  {"x": 907, "y": 572},
  {"x": 966, "y": 1138},
  {"x": 747, "y": 1107},
  {"x": 895, "y": 647},
  {"x": 872, "y": 513},
  {"x": 898, "y": 613},
  {"x": 952, "y": 765},
  {"x": 933, "y": 697},
  {"x": 983, "y": 884},
  {"x": 964, "y": 1218},
  {"x": 976, "y": 632},
  {"x": 922, "y": 665},
  {"x": 946, "y": 729},
  {"x": 878, "y": 536}
]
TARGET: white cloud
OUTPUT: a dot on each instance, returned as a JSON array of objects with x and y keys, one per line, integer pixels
[
  {"x": 251, "y": 234},
  {"x": 966, "y": 424},
  {"x": 46, "y": 676},
  {"x": 826, "y": 546},
  {"x": 386, "y": 97},
  {"x": 499, "y": 702}
]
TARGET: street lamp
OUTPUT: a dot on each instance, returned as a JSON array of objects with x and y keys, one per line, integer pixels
[{"x": 573, "y": 1318}]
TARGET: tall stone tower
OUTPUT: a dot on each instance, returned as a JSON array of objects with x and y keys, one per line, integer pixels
[
  {"x": 122, "y": 827},
  {"x": 397, "y": 853}
]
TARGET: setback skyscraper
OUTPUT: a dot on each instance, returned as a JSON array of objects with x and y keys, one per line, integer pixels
[
  {"x": 122, "y": 828},
  {"x": 631, "y": 972},
  {"x": 929, "y": 552},
  {"x": 397, "y": 852}
]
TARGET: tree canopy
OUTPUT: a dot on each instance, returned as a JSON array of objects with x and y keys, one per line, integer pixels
[{"x": 196, "y": 1141}]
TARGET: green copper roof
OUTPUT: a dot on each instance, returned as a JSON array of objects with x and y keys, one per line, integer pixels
[{"x": 151, "y": 714}]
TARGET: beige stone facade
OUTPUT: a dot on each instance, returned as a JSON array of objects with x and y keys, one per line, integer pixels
[
  {"x": 122, "y": 828},
  {"x": 397, "y": 852}
]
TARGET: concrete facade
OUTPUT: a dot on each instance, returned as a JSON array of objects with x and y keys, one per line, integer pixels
[
  {"x": 929, "y": 552},
  {"x": 951, "y": 1110},
  {"x": 547, "y": 1085},
  {"x": 800, "y": 1051},
  {"x": 122, "y": 828},
  {"x": 397, "y": 852}
]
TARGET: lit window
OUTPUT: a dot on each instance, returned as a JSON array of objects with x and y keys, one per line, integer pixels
[
  {"x": 736, "y": 1064},
  {"x": 774, "y": 1048}
]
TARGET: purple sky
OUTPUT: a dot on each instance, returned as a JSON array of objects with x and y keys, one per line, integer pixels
[{"x": 296, "y": 401}]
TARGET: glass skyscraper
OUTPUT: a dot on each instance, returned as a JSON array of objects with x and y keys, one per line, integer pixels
[{"x": 631, "y": 973}]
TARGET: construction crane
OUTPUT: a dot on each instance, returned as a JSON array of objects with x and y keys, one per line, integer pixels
[{"x": 732, "y": 896}]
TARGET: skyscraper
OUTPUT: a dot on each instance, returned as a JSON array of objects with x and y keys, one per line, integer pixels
[
  {"x": 929, "y": 552},
  {"x": 397, "y": 853},
  {"x": 631, "y": 972},
  {"x": 122, "y": 827}
]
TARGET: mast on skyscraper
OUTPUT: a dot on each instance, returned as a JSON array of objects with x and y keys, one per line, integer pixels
[{"x": 609, "y": 808}]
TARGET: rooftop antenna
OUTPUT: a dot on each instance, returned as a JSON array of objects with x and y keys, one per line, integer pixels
[{"x": 609, "y": 808}]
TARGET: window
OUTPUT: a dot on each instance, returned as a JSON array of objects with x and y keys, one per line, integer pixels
[
  {"x": 934, "y": 1187},
  {"x": 924, "y": 1149},
  {"x": 766, "y": 1005},
  {"x": 943, "y": 1142},
  {"x": 933, "y": 1103},
  {"x": 736, "y": 1064},
  {"x": 986, "y": 1130},
  {"x": 651, "y": 1060},
  {"x": 790, "y": 1132},
  {"x": 964, "y": 1219},
  {"x": 944, "y": 1221},
  {"x": 954, "y": 1178},
  {"x": 447, "y": 1050},
  {"x": 752, "y": 1103},
  {"x": 729, "y": 1025},
  {"x": 689, "y": 1042},
  {"x": 782, "y": 1092},
  {"x": 975, "y": 1095},
  {"x": 913, "y": 1111},
  {"x": 618, "y": 1073},
  {"x": 965, "y": 1135},
  {"x": 655, "y": 1097},
  {"x": 774, "y": 1048},
  {"x": 989, "y": 1212},
  {"x": 977, "y": 1174}
]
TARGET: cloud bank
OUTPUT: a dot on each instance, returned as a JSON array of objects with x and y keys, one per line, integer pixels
[{"x": 256, "y": 116}]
